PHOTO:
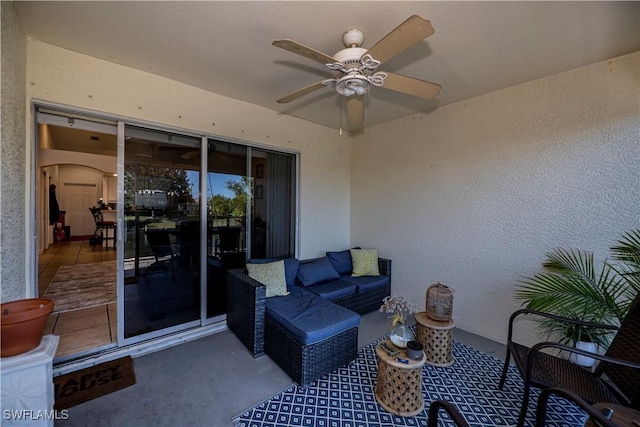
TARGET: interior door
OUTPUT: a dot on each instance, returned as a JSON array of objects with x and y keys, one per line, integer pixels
[{"x": 78, "y": 198}]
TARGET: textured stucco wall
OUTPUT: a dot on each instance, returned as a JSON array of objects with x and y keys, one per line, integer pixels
[
  {"x": 474, "y": 193},
  {"x": 62, "y": 76},
  {"x": 12, "y": 156}
]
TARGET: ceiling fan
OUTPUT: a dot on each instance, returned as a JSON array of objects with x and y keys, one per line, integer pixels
[{"x": 355, "y": 69}]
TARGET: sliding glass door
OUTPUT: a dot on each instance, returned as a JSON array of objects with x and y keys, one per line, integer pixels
[
  {"x": 228, "y": 201},
  {"x": 186, "y": 209},
  {"x": 273, "y": 207},
  {"x": 162, "y": 236},
  {"x": 250, "y": 212}
]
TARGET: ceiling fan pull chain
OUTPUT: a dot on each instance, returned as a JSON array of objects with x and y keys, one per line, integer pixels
[{"x": 341, "y": 102}]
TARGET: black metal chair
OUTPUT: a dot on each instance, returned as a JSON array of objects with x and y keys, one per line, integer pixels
[
  {"x": 450, "y": 409},
  {"x": 160, "y": 245},
  {"x": 594, "y": 413},
  {"x": 101, "y": 232},
  {"x": 616, "y": 378},
  {"x": 229, "y": 247}
]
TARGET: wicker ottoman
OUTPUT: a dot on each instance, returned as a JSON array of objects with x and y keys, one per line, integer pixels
[
  {"x": 399, "y": 386},
  {"x": 437, "y": 339}
]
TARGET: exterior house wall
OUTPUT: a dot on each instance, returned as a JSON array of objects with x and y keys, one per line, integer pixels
[
  {"x": 474, "y": 193},
  {"x": 13, "y": 200}
]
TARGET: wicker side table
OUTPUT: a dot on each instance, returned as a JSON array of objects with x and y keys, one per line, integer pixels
[
  {"x": 436, "y": 338},
  {"x": 399, "y": 386}
]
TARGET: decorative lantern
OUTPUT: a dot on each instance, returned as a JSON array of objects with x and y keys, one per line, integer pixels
[{"x": 439, "y": 302}]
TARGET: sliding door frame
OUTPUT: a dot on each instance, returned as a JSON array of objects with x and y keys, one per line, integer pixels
[{"x": 172, "y": 335}]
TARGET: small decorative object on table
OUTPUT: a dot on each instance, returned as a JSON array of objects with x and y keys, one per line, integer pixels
[
  {"x": 415, "y": 350},
  {"x": 399, "y": 308},
  {"x": 439, "y": 302}
]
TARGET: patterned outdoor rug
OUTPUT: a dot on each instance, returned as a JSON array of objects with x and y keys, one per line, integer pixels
[
  {"x": 345, "y": 397},
  {"x": 82, "y": 286}
]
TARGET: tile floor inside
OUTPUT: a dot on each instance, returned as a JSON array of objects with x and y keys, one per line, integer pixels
[{"x": 81, "y": 330}]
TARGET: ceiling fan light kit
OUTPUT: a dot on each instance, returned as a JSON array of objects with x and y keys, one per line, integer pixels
[{"x": 354, "y": 68}]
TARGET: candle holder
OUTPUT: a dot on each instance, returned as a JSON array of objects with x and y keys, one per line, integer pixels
[{"x": 439, "y": 302}]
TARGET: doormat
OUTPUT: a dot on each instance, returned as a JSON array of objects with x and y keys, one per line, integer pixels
[{"x": 80, "y": 386}]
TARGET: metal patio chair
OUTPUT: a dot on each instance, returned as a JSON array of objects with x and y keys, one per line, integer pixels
[{"x": 616, "y": 379}]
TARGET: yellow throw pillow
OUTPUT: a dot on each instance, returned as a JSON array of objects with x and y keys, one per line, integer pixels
[
  {"x": 271, "y": 275},
  {"x": 365, "y": 262}
]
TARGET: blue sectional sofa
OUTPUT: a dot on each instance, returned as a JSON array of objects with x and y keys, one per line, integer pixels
[{"x": 314, "y": 329}]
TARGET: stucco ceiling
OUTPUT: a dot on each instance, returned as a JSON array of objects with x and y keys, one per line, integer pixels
[{"x": 225, "y": 47}]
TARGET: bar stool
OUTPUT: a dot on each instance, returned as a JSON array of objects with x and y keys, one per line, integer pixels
[{"x": 102, "y": 225}]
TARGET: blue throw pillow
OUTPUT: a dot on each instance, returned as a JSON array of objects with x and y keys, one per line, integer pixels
[
  {"x": 290, "y": 267},
  {"x": 341, "y": 261},
  {"x": 320, "y": 270}
]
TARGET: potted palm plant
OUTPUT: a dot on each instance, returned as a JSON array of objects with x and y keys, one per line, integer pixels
[{"x": 570, "y": 286}]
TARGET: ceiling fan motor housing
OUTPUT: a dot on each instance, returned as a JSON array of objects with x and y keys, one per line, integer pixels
[{"x": 350, "y": 59}]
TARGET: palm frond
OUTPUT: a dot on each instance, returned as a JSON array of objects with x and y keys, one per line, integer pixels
[
  {"x": 627, "y": 253},
  {"x": 628, "y": 249},
  {"x": 571, "y": 262}
]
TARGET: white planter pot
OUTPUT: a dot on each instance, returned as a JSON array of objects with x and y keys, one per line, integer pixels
[{"x": 581, "y": 360}]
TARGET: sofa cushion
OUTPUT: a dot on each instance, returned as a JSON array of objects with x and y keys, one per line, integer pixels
[
  {"x": 365, "y": 262},
  {"x": 366, "y": 283},
  {"x": 332, "y": 289},
  {"x": 308, "y": 317},
  {"x": 341, "y": 261},
  {"x": 290, "y": 267},
  {"x": 319, "y": 270},
  {"x": 271, "y": 275}
]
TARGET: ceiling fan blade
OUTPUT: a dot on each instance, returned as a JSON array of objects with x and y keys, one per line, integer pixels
[
  {"x": 300, "y": 92},
  {"x": 355, "y": 111},
  {"x": 411, "y": 86},
  {"x": 303, "y": 50},
  {"x": 405, "y": 35}
]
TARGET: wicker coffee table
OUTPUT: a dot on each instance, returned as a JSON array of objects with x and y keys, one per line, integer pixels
[{"x": 399, "y": 387}]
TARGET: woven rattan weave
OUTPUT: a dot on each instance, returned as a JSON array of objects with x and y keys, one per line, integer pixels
[
  {"x": 399, "y": 385},
  {"x": 439, "y": 302},
  {"x": 246, "y": 317},
  {"x": 436, "y": 338},
  {"x": 616, "y": 379}
]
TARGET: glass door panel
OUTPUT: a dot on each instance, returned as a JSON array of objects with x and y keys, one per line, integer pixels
[
  {"x": 162, "y": 236},
  {"x": 273, "y": 208},
  {"x": 228, "y": 197}
]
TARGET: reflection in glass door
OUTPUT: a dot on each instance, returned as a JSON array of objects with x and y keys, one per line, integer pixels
[
  {"x": 228, "y": 196},
  {"x": 162, "y": 236}
]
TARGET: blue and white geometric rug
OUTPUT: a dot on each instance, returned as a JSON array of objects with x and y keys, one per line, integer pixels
[{"x": 344, "y": 398}]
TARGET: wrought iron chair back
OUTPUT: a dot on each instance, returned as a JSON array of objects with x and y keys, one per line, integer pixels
[{"x": 615, "y": 380}]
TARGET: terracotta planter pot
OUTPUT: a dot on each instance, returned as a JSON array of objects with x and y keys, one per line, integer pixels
[{"x": 23, "y": 323}]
